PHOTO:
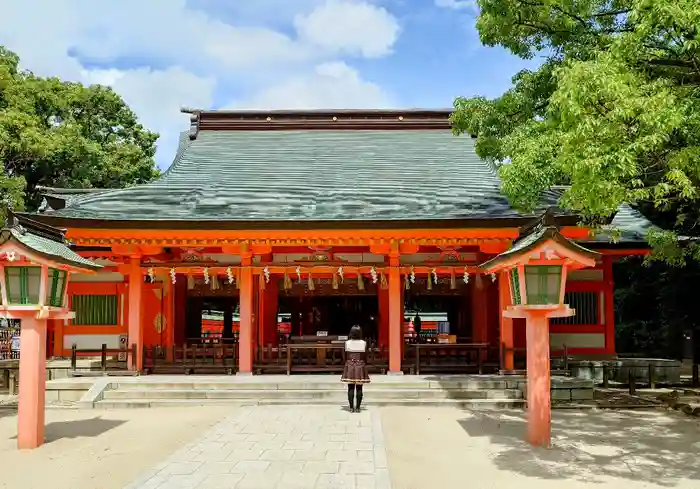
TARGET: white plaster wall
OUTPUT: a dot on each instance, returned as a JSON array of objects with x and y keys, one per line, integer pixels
[
  {"x": 98, "y": 277},
  {"x": 576, "y": 340},
  {"x": 585, "y": 275},
  {"x": 90, "y": 341}
]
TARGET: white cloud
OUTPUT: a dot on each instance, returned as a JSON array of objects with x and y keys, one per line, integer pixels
[
  {"x": 144, "y": 91},
  {"x": 456, "y": 4},
  {"x": 345, "y": 26},
  {"x": 191, "y": 55},
  {"x": 331, "y": 85}
]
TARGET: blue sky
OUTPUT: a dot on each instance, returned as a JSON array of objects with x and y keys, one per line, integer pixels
[{"x": 164, "y": 54}]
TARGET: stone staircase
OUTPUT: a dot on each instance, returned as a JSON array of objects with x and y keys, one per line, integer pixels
[{"x": 474, "y": 392}]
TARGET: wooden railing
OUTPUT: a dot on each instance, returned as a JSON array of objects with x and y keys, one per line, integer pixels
[
  {"x": 310, "y": 357},
  {"x": 119, "y": 365},
  {"x": 447, "y": 358},
  {"x": 9, "y": 375},
  {"x": 188, "y": 359}
]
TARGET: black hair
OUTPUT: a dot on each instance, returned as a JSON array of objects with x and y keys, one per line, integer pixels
[{"x": 355, "y": 333}]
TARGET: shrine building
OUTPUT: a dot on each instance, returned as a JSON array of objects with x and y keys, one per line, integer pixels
[{"x": 273, "y": 232}]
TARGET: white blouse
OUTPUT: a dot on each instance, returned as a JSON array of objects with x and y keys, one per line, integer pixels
[{"x": 356, "y": 346}]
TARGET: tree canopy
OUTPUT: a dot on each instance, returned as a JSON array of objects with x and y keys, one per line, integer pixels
[
  {"x": 64, "y": 134},
  {"x": 613, "y": 112}
]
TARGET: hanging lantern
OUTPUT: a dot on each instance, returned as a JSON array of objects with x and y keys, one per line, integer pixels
[
  {"x": 413, "y": 275},
  {"x": 151, "y": 275},
  {"x": 493, "y": 277},
  {"x": 435, "y": 276},
  {"x": 465, "y": 277},
  {"x": 173, "y": 275},
  {"x": 266, "y": 273},
  {"x": 298, "y": 270},
  {"x": 229, "y": 275},
  {"x": 340, "y": 274}
]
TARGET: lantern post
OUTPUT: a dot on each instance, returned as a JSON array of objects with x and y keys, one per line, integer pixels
[
  {"x": 537, "y": 266},
  {"x": 35, "y": 266}
]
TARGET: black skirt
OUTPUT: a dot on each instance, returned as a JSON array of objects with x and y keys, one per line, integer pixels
[{"x": 355, "y": 371}]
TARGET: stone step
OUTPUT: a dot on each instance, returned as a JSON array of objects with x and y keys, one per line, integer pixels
[
  {"x": 475, "y": 404},
  {"x": 291, "y": 384},
  {"x": 335, "y": 394}
]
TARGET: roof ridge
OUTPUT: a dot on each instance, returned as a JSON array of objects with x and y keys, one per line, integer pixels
[{"x": 319, "y": 119}]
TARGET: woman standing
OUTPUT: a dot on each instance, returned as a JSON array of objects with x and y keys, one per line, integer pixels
[{"x": 355, "y": 371}]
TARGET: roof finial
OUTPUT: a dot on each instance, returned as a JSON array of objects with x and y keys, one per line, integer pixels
[{"x": 547, "y": 219}]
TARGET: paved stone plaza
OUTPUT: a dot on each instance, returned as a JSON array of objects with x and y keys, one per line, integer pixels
[
  {"x": 312, "y": 446},
  {"x": 280, "y": 446}
]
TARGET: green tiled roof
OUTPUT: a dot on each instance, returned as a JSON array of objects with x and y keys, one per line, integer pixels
[
  {"x": 58, "y": 198},
  {"x": 51, "y": 249},
  {"x": 317, "y": 175},
  {"x": 307, "y": 175},
  {"x": 538, "y": 235}
]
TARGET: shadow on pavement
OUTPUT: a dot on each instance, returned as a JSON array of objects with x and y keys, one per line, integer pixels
[
  {"x": 8, "y": 411},
  {"x": 79, "y": 428},
  {"x": 648, "y": 446}
]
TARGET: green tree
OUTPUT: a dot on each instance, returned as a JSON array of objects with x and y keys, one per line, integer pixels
[
  {"x": 64, "y": 134},
  {"x": 613, "y": 112}
]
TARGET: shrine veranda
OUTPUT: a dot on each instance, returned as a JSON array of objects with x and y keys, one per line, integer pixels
[{"x": 274, "y": 232}]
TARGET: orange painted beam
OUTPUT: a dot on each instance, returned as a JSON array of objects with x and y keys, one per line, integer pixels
[{"x": 126, "y": 239}]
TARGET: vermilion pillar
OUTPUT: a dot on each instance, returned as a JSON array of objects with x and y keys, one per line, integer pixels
[
  {"x": 538, "y": 378},
  {"x": 135, "y": 307},
  {"x": 383, "y": 317},
  {"x": 479, "y": 305},
  {"x": 506, "y": 323},
  {"x": 32, "y": 386},
  {"x": 245, "y": 337},
  {"x": 268, "y": 313},
  {"x": 395, "y": 317},
  {"x": 609, "y": 305}
]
